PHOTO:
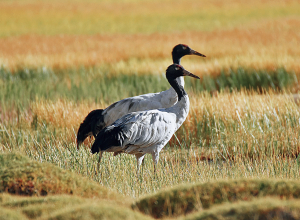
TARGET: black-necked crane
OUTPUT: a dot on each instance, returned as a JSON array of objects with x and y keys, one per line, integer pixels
[
  {"x": 143, "y": 132},
  {"x": 98, "y": 119}
]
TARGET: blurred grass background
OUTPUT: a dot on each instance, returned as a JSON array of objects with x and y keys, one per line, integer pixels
[
  {"x": 135, "y": 17},
  {"x": 138, "y": 36}
]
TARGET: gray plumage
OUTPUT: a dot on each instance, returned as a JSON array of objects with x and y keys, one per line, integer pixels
[{"x": 143, "y": 132}]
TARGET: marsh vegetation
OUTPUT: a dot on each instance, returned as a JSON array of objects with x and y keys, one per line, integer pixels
[{"x": 61, "y": 59}]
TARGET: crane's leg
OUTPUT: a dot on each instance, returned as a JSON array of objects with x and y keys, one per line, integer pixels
[
  {"x": 155, "y": 157},
  {"x": 139, "y": 158}
]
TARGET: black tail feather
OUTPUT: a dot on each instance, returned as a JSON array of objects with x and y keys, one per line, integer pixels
[
  {"x": 91, "y": 125},
  {"x": 108, "y": 137}
]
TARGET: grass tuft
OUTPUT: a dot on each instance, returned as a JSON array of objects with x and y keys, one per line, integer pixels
[
  {"x": 35, "y": 207},
  {"x": 189, "y": 198},
  {"x": 6, "y": 214},
  {"x": 22, "y": 176},
  {"x": 67, "y": 207},
  {"x": 97, "y": 211},
  {"x": 263, "y": 208}
]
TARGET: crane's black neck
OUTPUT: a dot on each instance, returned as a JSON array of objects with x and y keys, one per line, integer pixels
[
  {"x": 173, "y": 80},
  {"x": 176, "y": 58}
]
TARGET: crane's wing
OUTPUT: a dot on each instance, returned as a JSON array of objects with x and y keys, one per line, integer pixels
[
  {"x": 136, "y": 130},
  {"x": 96, "y": 120},
  {"x": 145, "y": 102}
]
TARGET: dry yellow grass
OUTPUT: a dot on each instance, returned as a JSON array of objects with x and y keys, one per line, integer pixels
[
  {"x": 68, "y": 114},
  {"x": 238, "y": 105},
  {"x": 61, "y": 113},
  {"x": 257, "y": 34},
  {"x": 263, "y": 121},
  {"x": 271, "y": 44},
  {"x": 245, "y": 107},
  {"x": 264, "y": 143}
]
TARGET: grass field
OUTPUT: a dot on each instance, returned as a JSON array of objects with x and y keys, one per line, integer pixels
[
  {"x": 138, "y": 35},
  {"x": 61, "y": 59}
]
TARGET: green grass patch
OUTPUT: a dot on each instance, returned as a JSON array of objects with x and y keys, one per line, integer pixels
[
  {"x": 188, "y": 198},
  {"x": 25, "y": 85},
  {"x": 264, "y": 208},
  {"x": 22, "y": 176},
  {"x": 20, "y": 87},
  {"x": 96, "y": 211},
  {"x": 36, "y": 207},
  {"x": 241, "y": 78},
  {"x": 66, "y": 207},
  {"x": 10, "y": 214}
]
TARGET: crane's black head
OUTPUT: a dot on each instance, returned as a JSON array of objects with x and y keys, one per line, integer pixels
[
  {"x": 82, "y": 134},
  {"x": 176, "y": 70},
  {"x": 181, "y": 50},
  {"x": 87, "y": 127}
]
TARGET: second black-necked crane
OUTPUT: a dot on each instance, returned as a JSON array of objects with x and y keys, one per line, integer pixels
[
  {"x": 143, "y": 132},
  {"x": 98, "y": 119}
]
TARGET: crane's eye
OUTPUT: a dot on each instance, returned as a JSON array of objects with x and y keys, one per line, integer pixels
[
  {"x": 184, "y": 47},
  {"x": 177, "y": 68}
]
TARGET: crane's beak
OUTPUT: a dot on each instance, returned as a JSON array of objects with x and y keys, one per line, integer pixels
[
  {"x": 193, "y": 52},
  {"x": 187, "y": 73}
]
